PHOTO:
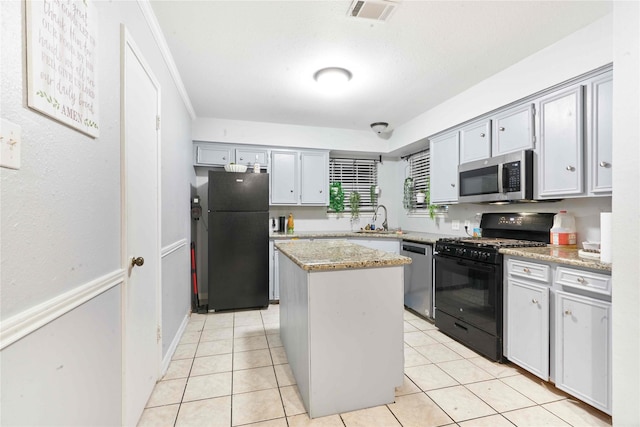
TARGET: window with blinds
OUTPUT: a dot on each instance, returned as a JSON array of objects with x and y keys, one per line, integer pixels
[
  {"x": 420, "y": 169},
  {"x": 355, "y": 175}
]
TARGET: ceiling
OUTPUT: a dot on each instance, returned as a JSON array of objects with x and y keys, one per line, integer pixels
[{"x": 255, "y": 60}]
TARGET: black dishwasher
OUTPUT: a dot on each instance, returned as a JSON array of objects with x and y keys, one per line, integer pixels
[{"x": 418, "y": 280}]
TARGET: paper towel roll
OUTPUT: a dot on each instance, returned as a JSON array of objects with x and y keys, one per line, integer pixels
[{"x": 606, "y": 230}]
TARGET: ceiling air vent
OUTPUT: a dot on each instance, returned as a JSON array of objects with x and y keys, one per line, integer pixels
[{"x": 379, "y": 10}]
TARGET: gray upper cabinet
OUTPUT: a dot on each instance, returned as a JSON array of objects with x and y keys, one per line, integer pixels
[
  {"x": 513, "y": 130},
  {"x": 284, "y": 177},
  {"x": 444, "y": 168},
  {"x": 299, "y": 177},
  {"x": 250, "y": 157},
  {"x": 560, "y": 170},
  {"x": 599, "y": 134},
  {"x": 212, "y": 155},
  {"x": 314, "y": 177},
  {"x": 475, "y": 141}
]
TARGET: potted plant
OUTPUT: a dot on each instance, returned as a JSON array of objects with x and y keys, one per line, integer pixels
[
  {"x": 354, "y": 204},
  {"x": 420, "y": 197},
  {"x": 407, "y": 199},
  {"x": 336, "y": 197}
]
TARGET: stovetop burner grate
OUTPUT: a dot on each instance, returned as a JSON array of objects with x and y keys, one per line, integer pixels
[{"x": 492, "y": 242}]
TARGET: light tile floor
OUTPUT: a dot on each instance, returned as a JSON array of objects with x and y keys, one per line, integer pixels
[{"x": 230, "y": 369}]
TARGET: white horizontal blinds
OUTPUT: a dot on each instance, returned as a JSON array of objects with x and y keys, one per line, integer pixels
[
  {"x": 420, "y": 169},
  {"x": 355, "y": 175}
]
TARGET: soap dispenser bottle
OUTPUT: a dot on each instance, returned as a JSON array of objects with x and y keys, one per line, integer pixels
[
  {"x": 256, "y": 166},
  {"x": 290, "y": 224}
]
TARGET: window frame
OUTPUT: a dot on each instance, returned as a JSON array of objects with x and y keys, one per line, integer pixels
[{"x": 349, "y": 179}]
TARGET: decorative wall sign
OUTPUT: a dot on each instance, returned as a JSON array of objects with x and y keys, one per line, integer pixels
[{"x": 61, "y": 62}]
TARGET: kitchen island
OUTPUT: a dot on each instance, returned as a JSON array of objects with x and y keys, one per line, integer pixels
[{"x": 341, "y": 323}]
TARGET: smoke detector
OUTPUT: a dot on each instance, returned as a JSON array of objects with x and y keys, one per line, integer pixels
[{"x": 378, "y": 10}]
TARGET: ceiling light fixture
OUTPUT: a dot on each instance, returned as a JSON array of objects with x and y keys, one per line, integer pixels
[
  {"x": 332, "y": 76},
  {"x": 379, "y": 127}
]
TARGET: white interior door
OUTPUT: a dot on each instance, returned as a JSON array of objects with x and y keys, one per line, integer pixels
[{"x": 141, "y": 230}]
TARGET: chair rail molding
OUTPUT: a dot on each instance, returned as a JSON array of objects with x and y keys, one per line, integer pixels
[
  {"x": 169, "y": 249},
  {"x": 22, "y": 324}
]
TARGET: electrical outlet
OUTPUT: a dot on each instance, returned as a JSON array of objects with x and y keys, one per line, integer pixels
[
  {"x": 467, "y": 224},
  {"x": 10, "y": 137},
  {"x": 455, "y": 224}
]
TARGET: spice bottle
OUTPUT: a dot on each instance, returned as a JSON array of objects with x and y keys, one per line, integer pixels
[{"x": 290, "y": 224}]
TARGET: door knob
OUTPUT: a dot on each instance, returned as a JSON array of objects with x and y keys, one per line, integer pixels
[{"x": 137, "y": 261}]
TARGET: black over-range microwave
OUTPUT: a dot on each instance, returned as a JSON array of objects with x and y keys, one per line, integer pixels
[{"x": 504, "y": 178}]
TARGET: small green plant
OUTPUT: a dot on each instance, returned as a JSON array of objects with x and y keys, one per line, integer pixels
[
  {"x": 336, "y": 197},
  {"x": 407, "y": 200},
  {"x": 354, "y": 204},
  {"x": 373, "y": 195}
]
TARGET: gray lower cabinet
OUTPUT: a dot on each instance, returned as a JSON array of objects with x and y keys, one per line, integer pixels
[
  {"x": 387, "y": 245},
  {"x": 527, "y": 314},
  {"x": 558, "y": 326},
  {"x": 583, "y": 348},
  {"x": 274, "y": 277}
]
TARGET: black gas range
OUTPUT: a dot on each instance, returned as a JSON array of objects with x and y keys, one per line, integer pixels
[{"x": 468, "y": 278}]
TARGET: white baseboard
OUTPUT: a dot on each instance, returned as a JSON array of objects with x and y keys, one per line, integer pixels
[
  {"x": 22, "y": 324},
  {"x": 172, "y": 348}
]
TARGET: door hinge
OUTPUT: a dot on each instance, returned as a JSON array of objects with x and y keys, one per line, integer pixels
[
  {"x": 157, "y": 122},
  {"x": 158, "y": 334}
]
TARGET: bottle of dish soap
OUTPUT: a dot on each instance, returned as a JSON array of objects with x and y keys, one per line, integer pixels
[
  {"x": 256, "y": 166},
  {"x": 290, "y": 224}
]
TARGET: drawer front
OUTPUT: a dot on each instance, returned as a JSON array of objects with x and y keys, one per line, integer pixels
[
  {"x": 213, "y": 156},
  {"x": 528, "y": 270},
  {"x": 586, "y": 280},
  {"x": 248, "y": 157}
]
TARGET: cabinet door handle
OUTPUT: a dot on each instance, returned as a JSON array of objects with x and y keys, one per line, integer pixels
[
  {"x": 605, "y": 164},
  {"x": 581, "y": 280},
  {"x": 241, "y": 159},
  {"x": 568, "y": 312},
  {"x": 321, "y": 191},
  {"x": 526, "y": 270},
  {"x": 501, "y": 129},
  {"x": 570, "y": 168},
  {"x": 535, "y": 301},
  {"x": 482, "y": 135},
  {"x": 453, "y": 185},
  {"x": 292, "y": 191},
  {"x": 224, "y": 158}
]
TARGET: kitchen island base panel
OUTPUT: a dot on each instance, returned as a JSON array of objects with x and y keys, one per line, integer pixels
[{"x": 343, "y": 334}]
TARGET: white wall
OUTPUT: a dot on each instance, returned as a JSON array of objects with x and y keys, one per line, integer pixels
[
  {"x": 580, "y": 52},
  {"x": 284, "y": 135},
  {"x": 626, "y": 214},
  {"x": 60, "y": 227}
]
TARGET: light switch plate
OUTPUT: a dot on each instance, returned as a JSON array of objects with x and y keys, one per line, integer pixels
[
  {"x": 10, "y": 142},
  {"x": 455, "y": 224}
]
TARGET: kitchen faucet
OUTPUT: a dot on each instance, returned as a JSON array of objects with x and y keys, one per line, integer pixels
[{"x": 385, "y": 226}]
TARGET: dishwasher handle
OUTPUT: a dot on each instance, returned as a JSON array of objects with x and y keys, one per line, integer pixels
[{"x": 414, "y": 249}]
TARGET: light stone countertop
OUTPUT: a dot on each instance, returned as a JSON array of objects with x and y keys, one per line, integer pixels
[
  {"x": 558, "y": 255},
  {"x": 325, "y": 255},
  {"x": 412, "y": 236}
]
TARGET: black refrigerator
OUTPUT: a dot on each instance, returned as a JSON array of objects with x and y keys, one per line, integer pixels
[{"x": 238, "y": 240}]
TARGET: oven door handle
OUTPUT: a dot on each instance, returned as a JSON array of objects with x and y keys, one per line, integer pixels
[{"x": 488, "y": 268}]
